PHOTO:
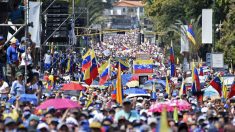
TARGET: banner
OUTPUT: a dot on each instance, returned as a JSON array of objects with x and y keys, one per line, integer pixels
[
  {"x": 184, "y": 39},
  {"x": 207, "y": 26},
  {"x": 217, "y": 60},
  {"x": 34, "y": 16}
]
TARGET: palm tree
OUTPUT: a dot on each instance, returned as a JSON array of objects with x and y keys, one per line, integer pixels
[
  {"x": 197, "y": 30},
  {"x": 95, "y": 9}
]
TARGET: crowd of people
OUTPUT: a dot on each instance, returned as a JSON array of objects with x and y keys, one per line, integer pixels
[
  {"x": 125, "y": 45},
  {"x": 98, "y": 110}
]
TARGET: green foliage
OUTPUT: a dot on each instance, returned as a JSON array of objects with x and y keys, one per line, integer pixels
[
  {"x": 95, "y": 8},
  {"x": 168, "y": 15},
  {"x": 227, "y": 42}
]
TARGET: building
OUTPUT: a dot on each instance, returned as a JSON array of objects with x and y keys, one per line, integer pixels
[{"x": 125, "y": 14}]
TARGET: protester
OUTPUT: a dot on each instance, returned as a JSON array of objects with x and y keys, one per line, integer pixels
[
  {"x": 18, "y": 87},
  {"x": 4, "y": 89},
  {"x": 47, "y": 60},
  {"x": 12, "y": 59},
  {"x": 26, "y": 61},
  {"x": 95, "y": 107}
]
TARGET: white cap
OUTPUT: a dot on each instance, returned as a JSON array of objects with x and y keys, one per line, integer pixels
[
  {"x": 139, "y": 105},
  {"x": 71, "y": 120},
  {"x": 73, "y": 98},
  {"x": 42, "y": 125},
  {"x": 204, "y": 109},
  {"x": 152, "y": 120},
  {"x": 140, "y": 98},
  {"x": 143, "y": 118}
]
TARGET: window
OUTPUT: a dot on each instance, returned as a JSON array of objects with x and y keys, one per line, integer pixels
[
  {"x": 123, "y": 9},
  {"x": 131, "y": 10},
  {"x": 141, "y": 9}
]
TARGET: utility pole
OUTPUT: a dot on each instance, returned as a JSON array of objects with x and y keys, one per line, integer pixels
[{"x": 26, "y": 37}]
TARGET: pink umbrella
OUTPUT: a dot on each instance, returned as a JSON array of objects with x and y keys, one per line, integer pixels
[
  {"x": 170, "y": 105},
  {"x": 181, "y": 104},
  {"x": 59, "y": 104},
  {"x": 159, "y": 106}
]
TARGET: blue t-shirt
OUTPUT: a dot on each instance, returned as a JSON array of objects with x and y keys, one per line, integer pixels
[
  {"x": 17, "y": 89},
  {"x": 133, "y": 115},
  {"x": 12, "y": 54}
]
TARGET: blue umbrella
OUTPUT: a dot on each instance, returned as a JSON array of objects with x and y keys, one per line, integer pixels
[
  {"x": 211, "y": 92},
  {"x": 25, "y": 98},
  {"x": 132, "y": 91},
  {"x": 135, "y": 91}
]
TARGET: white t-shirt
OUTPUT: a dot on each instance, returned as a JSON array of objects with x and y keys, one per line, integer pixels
[
  {"x": 23, "y": 60},
  {"x": 3, "y": 88},
  {"x": 47, "y": 59}
]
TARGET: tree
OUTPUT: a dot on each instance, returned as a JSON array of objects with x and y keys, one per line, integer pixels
[
  {"x": 164, "y": 14},
  {"x": 226, "y": 44},
  {"x": 176, "y": 27},
  {"x": 95, "y": 9}
]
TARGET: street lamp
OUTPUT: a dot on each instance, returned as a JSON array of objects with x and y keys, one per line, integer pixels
[{"x": 218, "y": 28}]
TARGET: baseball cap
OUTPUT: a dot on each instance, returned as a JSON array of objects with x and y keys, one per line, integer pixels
[
  {"x": 13, "y": 40},
  {"x": 8, "y": 121},
  {"x": 19, "y": 74},
  {"x": 42, "y": 125},
  {"x": 33, "y": 117},
  {"x": 95, "y": 125},
  {"x": 125, "y": 101},
  {"x": 71, "y": 120}
]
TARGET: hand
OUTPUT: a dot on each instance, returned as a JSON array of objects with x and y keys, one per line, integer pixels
[
  {"x": 28, "y": 84},
  {"x": 17, "y": 98},
  {"x": 1, "y": 47}
]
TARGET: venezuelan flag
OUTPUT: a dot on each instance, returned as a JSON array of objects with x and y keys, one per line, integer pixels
[
  {"x": 143, "y": 66},
  {"x": 172, "y": 60},
  {"x": 104, "y": 72},
  {"x": 92, "y": 72},
  {"x": 168, "y": 90},
  {"x": 224, "y": 90},
  {"x": 201, "y": 71},
  {"x": 68, "y": 65},
  {"x": 193, "y": 88},
  {"x": 182, "y": 89},
  {"x": 196, "y": 79},
  {"x": 232, "y": 90},
  {"x": 124, "y": 64},
  {"x": 86, "y": 62},
  {"x": 119, "y": 91},
  {"x": 216, "y": 84},
  {"x": 191, "y": 35}
]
